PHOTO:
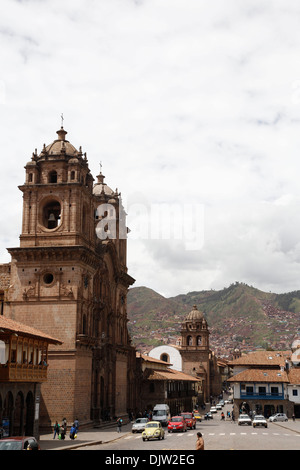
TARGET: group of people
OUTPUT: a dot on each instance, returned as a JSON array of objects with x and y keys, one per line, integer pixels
[{"x": 61, "y": 430}]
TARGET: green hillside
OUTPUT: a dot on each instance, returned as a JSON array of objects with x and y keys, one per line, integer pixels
[{"x": 236, "y": 314}]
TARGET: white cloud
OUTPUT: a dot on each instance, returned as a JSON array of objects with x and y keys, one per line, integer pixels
[{"x": 184, "y": 102}]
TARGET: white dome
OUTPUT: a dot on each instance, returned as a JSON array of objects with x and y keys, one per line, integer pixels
[
  {"x": 174, "y": 355},
  {"x": 295, "y": 345}
]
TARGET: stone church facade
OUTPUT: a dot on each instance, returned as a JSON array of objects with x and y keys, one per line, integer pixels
[
  {"x": 193, "y": 355},
  {"x": 69, "y": 279}
]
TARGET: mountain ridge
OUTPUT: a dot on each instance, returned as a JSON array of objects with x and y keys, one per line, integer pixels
[{"x": 238, "y": 316}]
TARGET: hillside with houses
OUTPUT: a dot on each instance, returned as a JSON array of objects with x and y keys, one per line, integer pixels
[{"x": 238, "y": 316}]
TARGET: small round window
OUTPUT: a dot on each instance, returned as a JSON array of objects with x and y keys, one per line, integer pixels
[{"x": 48, "y": 278}]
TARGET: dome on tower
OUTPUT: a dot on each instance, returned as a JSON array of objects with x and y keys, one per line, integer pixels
[
  {"x": 61, "y": 145},
  {"x": 101, "y": 187},
  {"x": 194, "y": 315}
]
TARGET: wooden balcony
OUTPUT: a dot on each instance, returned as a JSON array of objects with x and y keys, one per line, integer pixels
[
  {"x": 23, "y": 352},
  {"x": 22, "y": 373}
]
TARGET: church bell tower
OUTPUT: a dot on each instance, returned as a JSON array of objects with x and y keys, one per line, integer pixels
[
  {"x": 70, "y": 284},
  {"x": 195, "y": 349}
]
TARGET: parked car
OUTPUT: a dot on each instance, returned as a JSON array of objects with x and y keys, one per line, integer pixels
[
  {"x": 189, "y": 419},
  {"x": 139, "y": 425},
  {"x": 208, "y": 416},
  {"x": 177, "y": 423},
  {"x": 153, "y": 430},
  {"x": 278, "y": 417},
  {"x": 259, "y": 420},
  {"x": 222, "y": 402},
  {"x": 198, "y": 416},
  {"x": 19, "y": 443},
  {"x": 244, "y": 419}
]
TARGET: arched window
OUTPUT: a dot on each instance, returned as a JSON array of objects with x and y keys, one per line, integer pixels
[
  {"x": 84, "y": 325},
  {"x": 52, "y": 177},
  {"x": 189, "y": 341},
  {"x": 2, "y": 352},
  {"x": 51, "y": 214},
  {"x": 1, "y": 302},
  {"x": 165, "y": 357},
  {"x": 199, "y": 340}
]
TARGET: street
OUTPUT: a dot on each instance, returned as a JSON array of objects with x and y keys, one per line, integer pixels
[{"x": 217, "y": 434}]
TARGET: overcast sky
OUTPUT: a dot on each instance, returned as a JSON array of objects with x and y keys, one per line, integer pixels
[{"x": 193, "y": 108}]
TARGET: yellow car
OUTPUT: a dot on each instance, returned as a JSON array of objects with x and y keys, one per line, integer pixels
[
  {"x": 153, "y": 430},
  {"x": 198, "y": 416}
]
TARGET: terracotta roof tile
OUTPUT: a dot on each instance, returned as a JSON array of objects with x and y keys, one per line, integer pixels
[
  {"x": 294, "y": 376},
  {"x": 171, "y": 374},
  {"x": 6, "y": 324},
  {"x": 151, "y": 359},
  {"x": 262, "y": 358},
  {"x": 260, "y": 375}
]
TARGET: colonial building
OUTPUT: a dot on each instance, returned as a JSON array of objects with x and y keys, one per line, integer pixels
[
  {"x": 23, "y": 368},
  {"x": 260, "y": 383},
  {"x": 69, "y": 279},
  {"x": 159, "y": 383}
]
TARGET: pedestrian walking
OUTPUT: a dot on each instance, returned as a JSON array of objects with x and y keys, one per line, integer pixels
[
  {"x": 76, "y": 424},
  {"x": 63, "y": 430},
  {"x": 199, "y": 442},
  {"x": 73, "y": 432},
  {"x": 56, "y": 429},
  {"x": 119, "y": 424}
]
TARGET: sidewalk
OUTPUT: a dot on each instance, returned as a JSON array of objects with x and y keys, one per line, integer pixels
[{"x": 85, "y": 437}]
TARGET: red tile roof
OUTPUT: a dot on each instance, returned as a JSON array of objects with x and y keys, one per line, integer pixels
[
  {"x": 262, "y": 358},
  {"x": 151, "y": 359},
  {"x": 171, "y": 374},
  {"x": 11, "y": 326},
  {"x": 260, "y": 375},
  {"x": 294, "y": 376}
]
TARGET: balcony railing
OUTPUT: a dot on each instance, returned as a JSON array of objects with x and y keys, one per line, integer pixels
[
  {"x": 181, "y": 394},
  {"x": 262, "y": 396},
  {"x": 13, "y": 372}
]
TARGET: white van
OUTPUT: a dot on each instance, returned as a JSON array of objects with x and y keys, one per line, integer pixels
[{"x": 161, "y": 413}]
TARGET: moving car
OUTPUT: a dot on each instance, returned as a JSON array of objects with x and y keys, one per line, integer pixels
[
  {"x": 219, "y": 406},
  {"x": 19, "y": 443},
  {"x": 213, "y": 409},
  {"x": 189, "y": 419},
  {"x": 278, "y": 417},
  {"x": 153, "y": 430},
  {"x": 244, "y": 419},
  {"x": 139, "y": 425},
  {"x": 177, "y": 423},
  {"x": 259, "y": 420},
  {"x": 161, "y": 412},
  {"x": 197, "y": 416},
  {"x": 208, "y": 416}
]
